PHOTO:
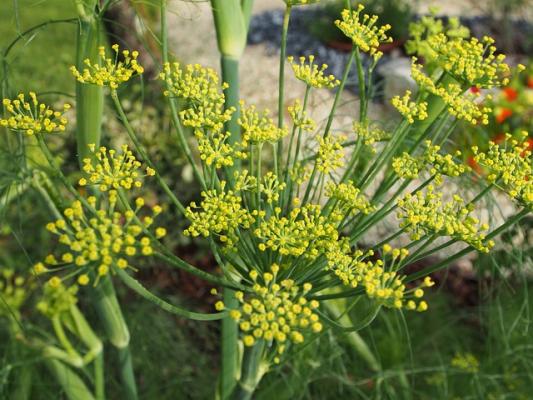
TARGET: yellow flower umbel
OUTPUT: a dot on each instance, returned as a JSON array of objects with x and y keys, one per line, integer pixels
[
  {"x": 471, "y": 62},
  {"x": 362, "y": 29},
  {"x": 426, "y": 214},
  {"x": 330, "y": 154},
  {"x": 300, "y": 119},
  {"x": 466, "y": 362},
  {"x": 13, "y": 292},
  {"x": 202, "y": 91},
  {"x": 408, "y": 166},
  {"x": 276, "y": 311},
  {"x": 509, "y": 167},
  {"x": 109, "y": 71},
  {"x": 220, "y": 213},
  {"x": 303, "y": 232},
  {"x": 410, "y": 110},
  {"x": 378, "y": 277},
  {"x": 369, "y": 135},
  {"x": 258, "y": 127},
  {"x": 313, "y": 76},
  {"x": 349, "y": 198},
  {"x": 101, "y": 239},
  {"x": 32, "y": 117},
  {"x": 110, "y": 170},
  {"x": 57, "y": 299}
]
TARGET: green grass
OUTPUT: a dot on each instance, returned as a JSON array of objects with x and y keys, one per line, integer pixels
[{"x": 39, "y": 61}]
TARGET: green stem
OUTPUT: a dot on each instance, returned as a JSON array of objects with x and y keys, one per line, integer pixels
[
  {"x": 347, "y": 69},
  {"x": 116, "y": 329},
  {"x": 282, "y": 57},
  {"x": 140, "y": 149},
  {"x": 363, "y": 102},
  {"x": 252, "y": 372},
  {"x": 89, "y": 98},
  {"x": 71, "y": 383}
]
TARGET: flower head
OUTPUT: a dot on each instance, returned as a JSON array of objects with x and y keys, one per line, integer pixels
[
  {"x": 258, "y": 127},
  {"x": 276, "y": 311},
  {"x": 509, "y": 166},
  {"x": 409, "y": 109},
  {"x": 220, "y": 213},
  {"x": 330, "y": 153},
  {"x": 100, "y": 239},
  {"x": 309, "y": 73},
  {"x": 426, "y": 214},
  {"x": 110, "y": 170},
  {"x": 13, "y": 292},
  {"x": 350, "y": 198},
  {"x": 57, "y": 298},
  {"x": 109, "y": 71},
  {"x": 32, "y": 117},
  {"x": 362, "y": 29},
  {"x": 299, "y": 117},
  {"x": 201, "y": 89}
]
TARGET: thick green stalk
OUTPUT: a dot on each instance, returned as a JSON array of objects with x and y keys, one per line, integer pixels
[
  {"x": 230, "y": 75},
  {"x": 282, "y": 57},
  {"x": 70, "y": 382},
  {"x": 89, "y": 98},
  {"x": 253, "y": 370},
  {"x": 231, "y": 22},
  {"x": 110, "y": 314}
]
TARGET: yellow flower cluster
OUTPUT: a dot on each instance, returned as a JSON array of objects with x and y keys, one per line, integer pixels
[
  {"x": 425, "y": 28},
  {"x": 466, "y": 362},
  {"x": 509, "y": 166},
  {"x": 219, "y": 213},
  {"x": 32, "y": 117},
  {"x": 57, "y": 298},
  {"x": 407, "y": 166},
  {"x": 299, "y": 173},
  {"x": 109, "y": 71},
  {"x": 426, "y": 214},
  {"x": 362, "y": 29},
  {"x": 471, "y": 62},
  {"x": 258, "y": 127},
  {"x": 349, "y": 197},
  {"x": 215, "y": 150},
  {"x": 201, "y": 89},
  {"x": 378, "y": 277},
  {"x": 369, "y": 134},
  {"x": 461, "y": 104},
  {"x": 276, "y": 312},
  {"x": 303, "y": 232},
  {"x": 100, "y": 238},
  {"x": 13, "y": 292},
  {"x": 309, "y": 73},
  {"x": 271, "y": 187},
  {"x": 300, "y": 119},
  {"x": 330, "y": 154},
  {"x": 410, "y": 110},
  {"x": 110, "y": 170}
]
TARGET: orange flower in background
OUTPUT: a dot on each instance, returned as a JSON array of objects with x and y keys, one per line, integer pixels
[
  {"x": 530, "y": 82},
  {"x": 503, "y": 114},
  {"x": 500, "y": 137},
  {"x": 473, "y": 164},
  {"x": 475, "y": 90},
  {"x": 510, "y": 94}
]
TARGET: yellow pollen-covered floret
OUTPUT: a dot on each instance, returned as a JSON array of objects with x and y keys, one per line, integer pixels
[
  {"x": 276, "y": 311},
  {"x": 330, "y": 154},
  {"x": 31, "y": 117},
  {"x": 98, "y": 238},
  {"x": 111, "y": 170},
  {"x": 362, "y": 30},
  {"x": 112, "y": 71},
  {"x": 309, "y": 73}
]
